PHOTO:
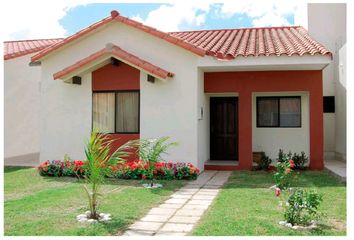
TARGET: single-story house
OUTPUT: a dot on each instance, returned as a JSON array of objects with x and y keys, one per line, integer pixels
[{"x": 222, "y": 94}]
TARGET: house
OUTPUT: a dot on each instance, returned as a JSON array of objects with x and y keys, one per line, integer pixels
[
  {"x": 222, "y": 94},
  {"x": 21, "y": 101}
]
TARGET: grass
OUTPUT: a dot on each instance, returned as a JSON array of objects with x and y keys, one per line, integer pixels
[
  {"x": 247, "y": 207},
  {"x": 36, "y": 205}
]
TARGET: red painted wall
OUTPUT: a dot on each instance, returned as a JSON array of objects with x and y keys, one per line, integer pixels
[
  {"x": 121, "y": 77},
  {"x": 244, "y": 83}
]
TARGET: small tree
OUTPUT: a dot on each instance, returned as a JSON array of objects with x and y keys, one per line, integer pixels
[
  {"x": 150, "y": 151},
  {"x": 98, "y": 156}
]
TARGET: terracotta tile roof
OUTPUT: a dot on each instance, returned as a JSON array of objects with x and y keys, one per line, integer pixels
[
  {"x": 231, "y": 43},
  {"x": 13, "y": 49},
  {"x": 116, "y": 17},
  {"x": 121, "y": 55}
]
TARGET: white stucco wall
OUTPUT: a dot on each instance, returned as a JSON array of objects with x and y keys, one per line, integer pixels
[
  {"x": 327, "y": 24},
  {"x": 168, "y": 108},
  {"x": 341, "y": 104},
  {"x": 270, "y": 140},
  {"x": 21, "y": 110}
]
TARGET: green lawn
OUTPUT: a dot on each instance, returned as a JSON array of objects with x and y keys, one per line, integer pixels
[
  {"x": 247, "y": 207},
  {"x": 37, "y": 205}
]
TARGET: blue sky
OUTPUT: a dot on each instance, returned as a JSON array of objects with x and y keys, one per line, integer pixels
[
  {"x": 82, "y": 16},
  {"x": 65, "y": 17}
]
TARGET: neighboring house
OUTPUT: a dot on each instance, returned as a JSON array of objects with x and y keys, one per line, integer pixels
[
  {"x": 222, "y": 94},
  {"x": 21, "y": 101},
  {"x": 327, "y": 24}
]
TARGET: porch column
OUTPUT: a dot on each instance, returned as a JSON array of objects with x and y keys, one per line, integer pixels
[
  {"x": 316, "y": 128},
  {"x": 245, "y": 130}
]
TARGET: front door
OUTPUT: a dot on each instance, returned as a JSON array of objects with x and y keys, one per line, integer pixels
[{"x": 223, "y": 128}]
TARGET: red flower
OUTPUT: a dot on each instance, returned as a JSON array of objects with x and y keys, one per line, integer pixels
[
  {"x": 292, "y": 165},
  {"x": 277, "y": 192},
  {"x": 288, "y": 170},
  {"x": 291, "y": 161},
  {"x": 143, "y": 176}
]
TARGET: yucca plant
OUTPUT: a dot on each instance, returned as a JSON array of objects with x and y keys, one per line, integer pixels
[
  {"x": 98, "y": 156},
  {"x": 150, "y": 151}
]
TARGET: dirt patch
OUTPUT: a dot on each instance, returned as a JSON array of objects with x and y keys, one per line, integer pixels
[{"x": 338, "y": 224}]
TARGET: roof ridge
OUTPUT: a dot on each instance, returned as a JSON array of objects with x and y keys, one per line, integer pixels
[
  {"x": 29, "y": 40},
  {"x": 241, "y": 28}
]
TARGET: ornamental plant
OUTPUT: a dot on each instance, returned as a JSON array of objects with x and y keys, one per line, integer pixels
[
  {"x": 150, "y": 151},
  {"x": 282, "y": 176},
  {"x": 302, "y": 207},
  {"x": 99, "y": 159},
  {"x": 300, "y": 160}
]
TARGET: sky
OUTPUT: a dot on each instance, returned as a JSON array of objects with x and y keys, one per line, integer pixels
[{"x": 65, "y": 17}]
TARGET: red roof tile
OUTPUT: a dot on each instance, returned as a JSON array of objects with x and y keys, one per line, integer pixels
[
  {"x": 120, "y": 54},
  {"x": 13, "y": 49},
  {"x": 231, "y": 43},
  {"x": 222, "y": 44},
  {"x": 116, "y": 17}
]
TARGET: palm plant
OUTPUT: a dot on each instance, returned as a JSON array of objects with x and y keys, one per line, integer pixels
[
  {"x": 150, "y": 151},
  {"x": 97, "y": 151}
]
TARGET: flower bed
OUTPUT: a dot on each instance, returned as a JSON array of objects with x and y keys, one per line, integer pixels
[{"x": 136, "y": 169}]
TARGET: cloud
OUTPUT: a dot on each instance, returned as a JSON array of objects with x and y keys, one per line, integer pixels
[
  {"x": 170, "y": 17},
  {"x": 35, "y": 19},
  {"x": 262, "y": 13}
]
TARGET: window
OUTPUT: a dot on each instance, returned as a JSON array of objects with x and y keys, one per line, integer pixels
[
  {"x": 278, "y": 111},
  {"x": 328, "y": 104},
  {"x": 116, "y": 112}
]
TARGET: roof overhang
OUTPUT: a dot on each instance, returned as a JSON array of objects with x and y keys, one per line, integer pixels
[
  {"x": 102, "y": 57},
  {"x": 265, "y": 63}
]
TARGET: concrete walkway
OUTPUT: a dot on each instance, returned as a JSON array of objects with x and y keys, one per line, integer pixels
[
  {"x": 178, "y": 215},
  {"x": 337, "y": 168}
]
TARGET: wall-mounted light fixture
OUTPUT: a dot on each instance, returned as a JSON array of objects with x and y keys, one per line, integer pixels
[
  {"x": 150, "y": 78},
  {"x": 76, "y": 80},
  {"x": 114, "y": 61}
]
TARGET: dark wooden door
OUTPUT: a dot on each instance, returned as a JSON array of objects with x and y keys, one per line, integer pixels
[{"x": 223, "y": 128}]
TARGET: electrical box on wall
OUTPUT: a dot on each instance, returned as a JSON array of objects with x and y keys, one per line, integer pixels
[{"x": 200, "y": 113}]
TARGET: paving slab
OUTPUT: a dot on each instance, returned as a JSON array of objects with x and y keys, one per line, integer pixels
[
  {"x": 138, "y": 233},
  {"x": 155, "y": 218},
  {"x": 146, "y": 226},
  {"x": 171, "y": 234},
  {"x": 203, "y": 197},
  {"x": 176, "y": 227},
  {"x": 176, "y": 200},
  {"x": 162, "y": 211},
  {"x": 184, "y": 196},
  {"x": 190, "y": 212},
  {"x": 195, "y": 206},
  {"x": 170, "y": 205},
  {"x": 201, "y": 202},
  {"x": 184, "y": 219},
  {"x": 219, "y": 178}
]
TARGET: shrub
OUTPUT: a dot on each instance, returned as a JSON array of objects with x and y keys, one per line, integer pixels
[
  {"x": 303, "y": 207},
  {"x": 282, "y": 157},
  {"x": 283, "y": 174},
  {"x": 300, "y": 160},
  {"x": 53, "y": 168},
  {"x": 150, "y": 151},
  {"x": 264, "y": 162}
]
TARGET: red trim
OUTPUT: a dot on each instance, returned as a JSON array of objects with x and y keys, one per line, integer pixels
[
  {"x": 120, "y": 54},
  {"x": 244, "y": 83},
  {"x": 110, "y": 77}
]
